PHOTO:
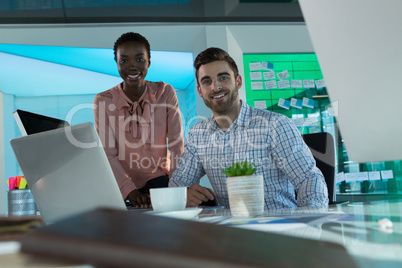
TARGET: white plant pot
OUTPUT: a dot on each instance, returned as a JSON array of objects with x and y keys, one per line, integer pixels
[{"x": 246, "y": 195}]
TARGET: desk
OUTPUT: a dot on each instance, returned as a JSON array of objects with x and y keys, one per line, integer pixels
[{"x": 352, "y": 225}]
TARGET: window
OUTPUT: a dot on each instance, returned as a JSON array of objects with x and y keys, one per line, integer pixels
[{"x": 293, "y": 85}]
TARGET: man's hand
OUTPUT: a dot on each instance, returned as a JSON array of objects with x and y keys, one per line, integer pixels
[
  {"x": 139, "y": 200},
  {"x": 196, "y": 194}
]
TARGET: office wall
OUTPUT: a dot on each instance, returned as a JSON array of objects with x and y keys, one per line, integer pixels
[{"x": 237, "y": 39}]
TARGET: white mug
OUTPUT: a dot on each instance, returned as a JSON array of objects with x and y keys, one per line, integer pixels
[{"x": 168, "y": 198}]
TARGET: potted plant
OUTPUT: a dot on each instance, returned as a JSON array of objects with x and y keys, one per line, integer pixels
[{"x": 245, "y": 190}]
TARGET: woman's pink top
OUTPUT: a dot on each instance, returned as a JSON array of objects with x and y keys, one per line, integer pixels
[{"x": 137, "y": 135}]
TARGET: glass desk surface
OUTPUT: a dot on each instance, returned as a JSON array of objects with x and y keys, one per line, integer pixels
[
  {"x": 354, "y": 226},
  {"x": 362, "y": 228}
]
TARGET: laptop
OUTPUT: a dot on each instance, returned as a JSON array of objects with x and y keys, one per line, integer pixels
[
  {"x": 67, "y": 171},
  {"x": 31, "y": 123}
]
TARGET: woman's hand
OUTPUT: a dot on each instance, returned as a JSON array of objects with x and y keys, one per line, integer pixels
[{"x": 139, "y": 200}]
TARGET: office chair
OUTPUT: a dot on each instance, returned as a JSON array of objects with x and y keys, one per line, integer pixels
[{"x": 322, "y": 146}]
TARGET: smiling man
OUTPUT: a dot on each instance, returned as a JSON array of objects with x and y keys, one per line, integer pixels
[{"x": 238, "y": 132}]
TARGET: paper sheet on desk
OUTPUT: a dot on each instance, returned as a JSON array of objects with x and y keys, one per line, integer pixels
[
  {"x": 305, "y": 218},
  {"x": 272, "y": 224},
  {"x": 302, "y": 225},
  {"x": 275, "y": 225}
]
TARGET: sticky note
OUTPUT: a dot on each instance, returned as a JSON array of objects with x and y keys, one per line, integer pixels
[
  {"x": 269, "y": 75},
  {"x": 309, "y": 83},
  {"x": 271, "y": 84},
  {"x": 387, "y": 174},
  {"x": 296, "y": 103},
  {"x": 340, "y": 177},
  {"x": 282, "y": 84},
  {"x": 350, "y": 177},
  {"x": 362, "y": 176},
  {"x": 267, "y": 65},
  {"x": 260, "y": 105},
  {"x": 255, "y": 66},
  {"x": 311, "y": 121},
  {"x": 284, "y": 104},
  {"x": 255, "y": 76},
  {"x": 308, "y": 102},
  {"x": 257, "y": 85},
  {"x": 374, "y": 176},
  {"x": 296, "y": 83},
  {"x": 283, "y": 75},
  {"x": 320, "y": 83},
  {"x": 298, "y": 121}
]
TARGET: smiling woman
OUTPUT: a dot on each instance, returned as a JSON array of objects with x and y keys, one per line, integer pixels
[{"x": 139, "y": 119}]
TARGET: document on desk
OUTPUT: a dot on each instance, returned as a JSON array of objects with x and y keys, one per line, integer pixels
[
  {"x": 270, "y": 224},
  {"x": 306, "y": 225},
  {"x": 279, "y": 223}
]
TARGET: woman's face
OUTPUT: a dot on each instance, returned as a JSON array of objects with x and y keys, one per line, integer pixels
[{"x": 133, "y": 63}]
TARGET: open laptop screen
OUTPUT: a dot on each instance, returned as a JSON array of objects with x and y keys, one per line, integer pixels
[
  {"x": 67, "y": 171},
  {"x": 31, "y": 123}
]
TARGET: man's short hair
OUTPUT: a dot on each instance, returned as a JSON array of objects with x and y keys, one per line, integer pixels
[
  {"x": 130, "y": 36},
  {"x": 214, "y": 54}
]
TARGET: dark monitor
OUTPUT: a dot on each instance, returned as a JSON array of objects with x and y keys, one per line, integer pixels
[{"x": 31, "y": 123}]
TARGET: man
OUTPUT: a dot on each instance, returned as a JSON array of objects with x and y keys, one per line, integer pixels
[{"x": 238, "y": 132}]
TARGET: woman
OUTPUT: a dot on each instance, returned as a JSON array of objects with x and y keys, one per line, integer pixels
[{"x": 138, "y": 121}]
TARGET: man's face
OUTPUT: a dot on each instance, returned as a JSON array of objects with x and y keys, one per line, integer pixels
[{"x": 218, "y": 86}]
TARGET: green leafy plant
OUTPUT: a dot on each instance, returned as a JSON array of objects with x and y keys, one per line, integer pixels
[{"x": 240, "y": 169}]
